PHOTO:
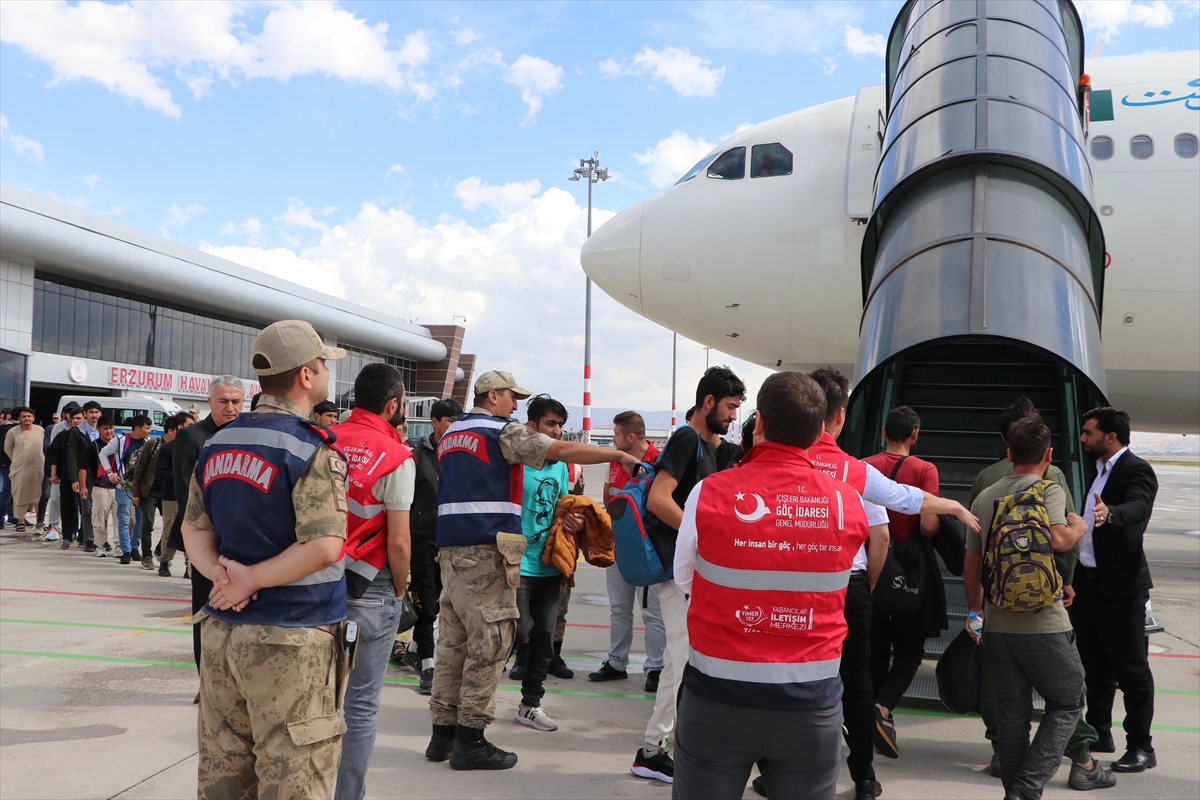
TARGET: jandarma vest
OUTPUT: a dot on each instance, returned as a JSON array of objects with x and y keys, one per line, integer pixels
[
  {"x": 776, "y": 539},
  {"x": 247, "y": 471},
  {"x": 373, "y": 449},
  {"x": 833, "y": 461},
  {"x": 479, "y": 493}
]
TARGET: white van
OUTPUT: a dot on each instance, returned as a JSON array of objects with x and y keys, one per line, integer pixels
[{"x": 123, "y": 409}]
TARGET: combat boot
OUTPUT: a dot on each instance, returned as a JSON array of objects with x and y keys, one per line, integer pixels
[
  {"x": 472, "y": 751},
  {"x": 521, "y": 663},
  {"x": 442, "y": 743},
  {"x": 558, "y": 667}
]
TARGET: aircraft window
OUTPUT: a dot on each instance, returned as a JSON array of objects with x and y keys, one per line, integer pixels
[
  {"x": 769, "y": 160},
  {"x": 694, "y": 171},
  {"x": 1185, "y": 145},
  {"x": 1102, "y": 148},
  {"x": 730, "y": 166},
  {"x": 1141, "y": 147}
]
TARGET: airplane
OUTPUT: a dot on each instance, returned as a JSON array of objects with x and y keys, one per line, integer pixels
[{"x": 764, "y": 263}]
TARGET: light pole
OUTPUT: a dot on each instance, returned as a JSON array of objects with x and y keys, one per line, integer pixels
[
  {"x": 674, "y": 352},
  {"x": 589, "y": 170}
]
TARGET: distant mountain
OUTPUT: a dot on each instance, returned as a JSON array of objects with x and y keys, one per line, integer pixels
[
  {"x": 604, "y": 416},
  {"x": 1164, "y": 444}
]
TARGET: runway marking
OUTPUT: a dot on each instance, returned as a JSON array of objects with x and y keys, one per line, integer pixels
[
  {"x": 508, "y": 687},
  {"x": 1173, "y": 655},
  {"x": 82, "y": 657},
  {"x": 105, "y": 596},
  {"x": 187, "y": 631}
]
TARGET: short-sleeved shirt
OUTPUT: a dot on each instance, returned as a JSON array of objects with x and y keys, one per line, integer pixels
[
  {"x": 542, "y": 488},
  {"x": 618, "y": 477},
  {"x": 520, "y": 444},
  {"x": 319, "y": 497},
  {"x": 1051, "y": 619},
  {"x": 679, "y": 458},
  {"x": 913, "y": 472},
  {"x": 396, "y": 490}
]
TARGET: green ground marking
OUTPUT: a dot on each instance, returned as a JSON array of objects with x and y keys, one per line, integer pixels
[
  {"x": 186, "y": 631},
  {"x": 83, "y": 657}
]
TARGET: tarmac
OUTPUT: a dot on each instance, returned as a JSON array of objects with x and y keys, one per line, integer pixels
[{"x": 97, "y": 682}]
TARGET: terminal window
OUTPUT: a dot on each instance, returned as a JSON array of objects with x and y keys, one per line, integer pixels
[
  {"x": 357, "y": 358},
  {"x": 85, "y": 321},
  {"x": 12, "y": 379}
]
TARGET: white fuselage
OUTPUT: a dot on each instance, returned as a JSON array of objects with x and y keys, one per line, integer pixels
[{"x": 768, "y": 269}]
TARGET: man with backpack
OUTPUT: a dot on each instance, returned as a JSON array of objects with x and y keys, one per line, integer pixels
[
  {"x": 688, "y": 458},
  {"x": 1027, "y": 637},
  {"x": 629, "y": 436}
]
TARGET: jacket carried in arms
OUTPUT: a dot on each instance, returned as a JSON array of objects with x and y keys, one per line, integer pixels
[{"x": 595, "y": 539}]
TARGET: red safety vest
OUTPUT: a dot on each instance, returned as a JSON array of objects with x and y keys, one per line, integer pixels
[
  {"x": 776, "y": 539},
  {"x": 833, "y": 461},
  {"x": 373, "y": 449}
]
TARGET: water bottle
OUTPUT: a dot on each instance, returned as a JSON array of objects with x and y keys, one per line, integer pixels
[{"x": 975, "y": 624}]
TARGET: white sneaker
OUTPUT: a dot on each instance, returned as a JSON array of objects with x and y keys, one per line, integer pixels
[
  {"x": 51, "y": 536},
  {"x": 535, "y": 718},
  {"x": 100, "y": 553}
]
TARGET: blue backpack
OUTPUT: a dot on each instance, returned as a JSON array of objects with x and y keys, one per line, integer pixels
[{"x": 636, "y": 557}]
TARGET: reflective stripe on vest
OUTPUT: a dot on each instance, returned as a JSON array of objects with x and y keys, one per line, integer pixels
[
  {"x": 776, "y": 539},
  {"x": 479, "y": 492}
]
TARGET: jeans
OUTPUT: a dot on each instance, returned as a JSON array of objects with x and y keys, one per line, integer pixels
[
  {"x": 537, "y": 600},
  {"x": 124, "y": 509},
  {"x": 378, "y": 615},
  {"x": 5, "y": 493},
  {"x": 1079, "y": 747},
  {"x": 1019, "y": 663},
  {"x": 621, "y": 599},
  {"x": 716, "y": 745},
  {"x": 897, "y": 647},
  {"x": 858, "y": 696}
]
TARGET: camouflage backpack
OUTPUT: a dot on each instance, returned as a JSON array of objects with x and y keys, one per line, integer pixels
[{"x": 1020, "y": 554}]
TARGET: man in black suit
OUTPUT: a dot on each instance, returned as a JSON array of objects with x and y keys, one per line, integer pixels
[
  {"x": 226, "y": 394},
  {"x": 1112, "y": 586}
]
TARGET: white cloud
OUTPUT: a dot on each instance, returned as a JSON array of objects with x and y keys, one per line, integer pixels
[
  {"x": 90, "y": 180},
  {"x": 178, "y": 216},
  {"x": 250, "y": 226},
  {"x": 518, "y": 282},
  {"x": 865, "y": 44},
  {"x": 671, "y": 157},
  {"x": 536, "y": 78},
  {"x": 687, "y": 74},
  {"x": 777, "y": 28},
  {"x": 466, "y": 36},
  {"x": 126, "y": 46},
  {"x": 1108, "y": 17},
  {"x": 25, "y": 147},
  {"x": 395, "y": 169},
  {"x": 300, "y": 215}
]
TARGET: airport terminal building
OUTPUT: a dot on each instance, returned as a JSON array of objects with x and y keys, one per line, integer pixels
[{"x": 89, "y": 306}]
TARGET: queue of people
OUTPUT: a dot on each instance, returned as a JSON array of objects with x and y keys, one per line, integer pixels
[{"x": 311, "y": 542}]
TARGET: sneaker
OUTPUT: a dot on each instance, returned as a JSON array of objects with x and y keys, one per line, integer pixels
[
  {"x": 481, "y": 755},
  {"x": 164, "y": 570},
  {"x": 651, "y": 680},
  {"x": 1095, "y": 778},
  {"x": 535, "y": 717},
  {"x": 99, "y": 553},
  {"x": 426, "y": 685},
  {"x": 885, "y": 736},
  {"x": 608, "y": 673},
  {"x": 658, "y": 766},
  {"x": 51, "y": 536},
  {"x": 148, "y": 563},
  {"x": 39, "y": 527},
  {"x": 126, "y": 558}
]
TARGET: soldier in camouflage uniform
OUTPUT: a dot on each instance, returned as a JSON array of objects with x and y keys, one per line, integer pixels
[
  {"x": 265, "y": 520},
  {"x": 481, "y": 458}
]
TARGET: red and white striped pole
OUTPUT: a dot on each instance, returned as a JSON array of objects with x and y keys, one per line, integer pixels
[
  {"x": 674, "y": 351},
  {"x": 589, "y": 170}
]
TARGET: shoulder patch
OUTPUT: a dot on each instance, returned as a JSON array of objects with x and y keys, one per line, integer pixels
[{"x": 337, "y": 465}]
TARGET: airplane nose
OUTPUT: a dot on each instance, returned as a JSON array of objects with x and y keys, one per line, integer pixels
[{"x": 612, "y": 257}]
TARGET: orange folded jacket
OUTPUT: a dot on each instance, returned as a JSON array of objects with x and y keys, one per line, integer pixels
[{"x": 595, "y": 539}]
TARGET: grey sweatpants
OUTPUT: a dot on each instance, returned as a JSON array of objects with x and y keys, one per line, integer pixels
[
  {"x": 1017, "y": 663},
  {"x": 716, "y": 745}
]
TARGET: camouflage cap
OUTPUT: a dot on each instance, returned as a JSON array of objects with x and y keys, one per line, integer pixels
[
  {"x": 500, "y": 380},
  {"x": 291, "y": 343}
]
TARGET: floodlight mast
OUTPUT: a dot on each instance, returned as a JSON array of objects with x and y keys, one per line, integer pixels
[{"x": 591, "y": 171}]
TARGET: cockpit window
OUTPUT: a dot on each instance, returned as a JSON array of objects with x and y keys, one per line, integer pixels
[
  {"x": 1185, "y": 145},
  {"x": 696, "y": 170},
  {"x": 1141, "y": 147},
  {"x": 769, "y": 160},
  {"x": 730, "y": 166},
  {"x": 1102, "y": 148}
]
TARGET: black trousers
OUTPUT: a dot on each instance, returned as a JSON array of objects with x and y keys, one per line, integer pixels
[
  {"x": 201, "y": 587},
  {"x": 537, "y": 600},
  {"x": 716, "y": 745},
  {"x": 1111, "y": 636},
  {"x": 44, "y": 500},
  {"x": 425, "y": 585},
  {"x": 897, "y": 647},
  {"x": 69, "y": 503},
  {"x": 151, "y": 504},
  {"x": 858, "y": 697}
]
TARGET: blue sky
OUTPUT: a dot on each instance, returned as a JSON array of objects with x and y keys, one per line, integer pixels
[{"x": 413, "y": 157}]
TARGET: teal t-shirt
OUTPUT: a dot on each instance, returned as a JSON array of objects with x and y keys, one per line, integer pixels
[{"x": 542, "y": 489}]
